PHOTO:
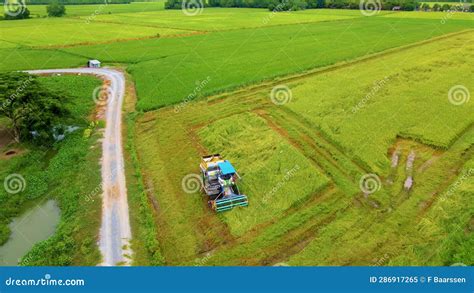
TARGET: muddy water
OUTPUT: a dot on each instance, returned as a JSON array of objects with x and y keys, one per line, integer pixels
[{"x": 35, "y": 225}]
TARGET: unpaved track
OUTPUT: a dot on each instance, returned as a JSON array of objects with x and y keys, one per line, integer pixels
[{"x": 115, "y": 233}]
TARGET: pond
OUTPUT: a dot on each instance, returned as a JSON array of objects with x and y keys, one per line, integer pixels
[{"x": 35, "y": 225}]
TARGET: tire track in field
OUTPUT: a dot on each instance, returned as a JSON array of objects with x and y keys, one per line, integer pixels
[
  {"x": 290, "y": 235},
  {"x": 324, "y": 147},
  {"x": 324, "y": 151},
  {"x": 366, "y": 222},
  {"x": 254, "y": 105}
]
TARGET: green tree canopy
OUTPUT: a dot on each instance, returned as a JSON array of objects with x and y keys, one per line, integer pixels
[
  {"x": 33, "y": 111},
  {"x": 15, "y": 9},
  {"x": 446, "y": 7},
  {"x": 55, "y": 9}
]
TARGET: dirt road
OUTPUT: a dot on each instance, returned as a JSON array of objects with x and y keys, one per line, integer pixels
[{"x": 115, "y": 233}]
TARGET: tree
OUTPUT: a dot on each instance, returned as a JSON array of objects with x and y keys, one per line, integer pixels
[
  {"x": 213, "y": 3},
  {"x": 425, "y": 7},
  {"x": 15, "y": 10},
  {"x": 446, "y": 7},
  {"x": 436, "y": 7},
  {"x": 312, "y": 3},
  {"x": 321, "y": 3},
  {"x": 55, "y": 9},
  {"x": 408, "y": 5},
  {"x": 471, "y": 8},
  {"x": 227, "y": 3},
  {"x": 33, "y": 111},
  {"x": 287, "y": 5}
]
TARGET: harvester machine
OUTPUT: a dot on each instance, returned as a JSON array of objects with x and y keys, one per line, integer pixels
[{"x": 219, "y": 180}]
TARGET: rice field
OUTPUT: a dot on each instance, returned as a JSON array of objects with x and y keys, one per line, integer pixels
[
  {"x": 340, "y": 224},
  {"x": 24, "y": 58},
  {"x": 442, "y": 16},
  {"x": 99, "y": 9},
  {"x": 264, "y": 165},
  {"x": 54, "y": 32},
  {"x": 369, "y": 94},
  {"x": 241, "y": 57}
]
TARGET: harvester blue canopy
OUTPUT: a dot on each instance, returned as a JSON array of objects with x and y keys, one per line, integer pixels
[{"x": 226, "y": 167}]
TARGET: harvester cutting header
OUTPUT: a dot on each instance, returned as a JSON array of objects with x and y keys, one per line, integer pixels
[{"x": 219, "y": 181}]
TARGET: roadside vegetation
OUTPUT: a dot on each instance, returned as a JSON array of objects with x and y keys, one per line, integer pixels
[
  {"x": 145, "y": 245},
  {"x": 66, "y": 170}
]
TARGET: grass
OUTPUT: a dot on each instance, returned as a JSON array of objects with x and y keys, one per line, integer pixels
[
  {"x": 59, "y": 32},
  {"x": 59, "y": 173},
  {"x": 266, "y": 166},
  {"x": 242, "y": 57}
]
